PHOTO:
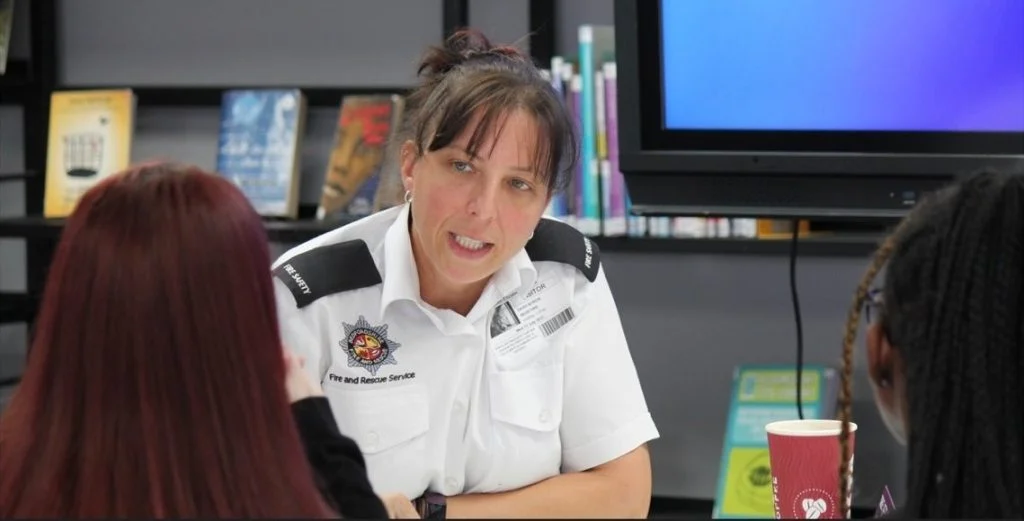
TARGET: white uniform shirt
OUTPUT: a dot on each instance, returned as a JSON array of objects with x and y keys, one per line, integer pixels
[{"x": 536, "y": 380}]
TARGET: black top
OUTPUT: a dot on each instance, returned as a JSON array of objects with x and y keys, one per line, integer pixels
[{"x": 337, "y": 461}]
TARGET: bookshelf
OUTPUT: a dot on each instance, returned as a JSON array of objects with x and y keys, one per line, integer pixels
[
  {"x": 327, "y": 97},
  {"x": 300, "y": 230},
  {"x": 30, "y": 82},
  {"x": 720, "y": 271},
  {"x": 15, "y": 84}
]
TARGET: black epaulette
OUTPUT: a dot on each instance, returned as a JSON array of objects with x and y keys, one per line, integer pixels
[
  {"x": 327, "y": 270},
  {"x": 559, "y": 242}
]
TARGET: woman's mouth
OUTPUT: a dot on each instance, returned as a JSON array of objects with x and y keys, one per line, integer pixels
[{"x": 465, "y": 246}]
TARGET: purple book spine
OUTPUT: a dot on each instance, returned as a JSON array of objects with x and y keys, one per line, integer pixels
[{"x": 617, "y": 183}]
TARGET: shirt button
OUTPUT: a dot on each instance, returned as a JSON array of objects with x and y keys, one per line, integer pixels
[
  {"x": 545, "y": 416},
  {"x": 458, "y": 407},
  {"x": 372, "y": 438}
]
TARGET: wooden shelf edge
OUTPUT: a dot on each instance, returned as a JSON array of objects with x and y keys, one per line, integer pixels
[{"x": 296, "y": 231}]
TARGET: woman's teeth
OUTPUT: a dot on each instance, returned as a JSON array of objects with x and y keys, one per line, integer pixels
[{"x": 469, "y": 244}]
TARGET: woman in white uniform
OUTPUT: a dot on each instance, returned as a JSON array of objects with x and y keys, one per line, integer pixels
[{"x": 471, "y": 347}]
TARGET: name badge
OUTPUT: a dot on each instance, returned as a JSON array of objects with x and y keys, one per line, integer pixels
[{"x": 530, "y": 317}]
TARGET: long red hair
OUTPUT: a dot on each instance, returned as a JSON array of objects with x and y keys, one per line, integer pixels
[{"x": 155, "y": 384}]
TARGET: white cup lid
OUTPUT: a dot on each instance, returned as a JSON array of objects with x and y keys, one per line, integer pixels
[{"x": 807, "y": 427}]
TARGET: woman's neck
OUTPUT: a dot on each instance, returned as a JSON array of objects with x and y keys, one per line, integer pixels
[
  {"x": 460, "y": 299},
  {"x": 438, "y": 292}
]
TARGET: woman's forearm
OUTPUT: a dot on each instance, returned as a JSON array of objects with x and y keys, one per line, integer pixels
[{"x": 621, "y": 489}]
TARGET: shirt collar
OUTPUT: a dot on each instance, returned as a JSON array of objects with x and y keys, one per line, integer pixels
[{"x": 401, "y": 281}]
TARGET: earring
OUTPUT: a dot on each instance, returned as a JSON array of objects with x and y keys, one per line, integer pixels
[
  {"x": 408, "y": 196},
  {"x": 884, "y": 382},
  {"x": 530, "y": 237}
]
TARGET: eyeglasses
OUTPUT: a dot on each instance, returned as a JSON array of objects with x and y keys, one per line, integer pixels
[{"x": 873, "y": 305}]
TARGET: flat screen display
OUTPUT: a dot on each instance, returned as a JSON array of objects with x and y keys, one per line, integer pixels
[{"x": 843, "y": 65}]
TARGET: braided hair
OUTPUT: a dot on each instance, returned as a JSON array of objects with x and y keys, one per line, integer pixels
[{"x": 953, "y": 301}]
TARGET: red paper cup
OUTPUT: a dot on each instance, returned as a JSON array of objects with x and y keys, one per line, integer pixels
[{"x": 804, "y": 457}]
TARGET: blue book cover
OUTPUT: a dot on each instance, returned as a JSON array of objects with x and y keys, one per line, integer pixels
[{"x": 259, "y": 147}]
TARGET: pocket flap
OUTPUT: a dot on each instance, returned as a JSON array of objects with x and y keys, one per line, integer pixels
[{"x": 381, "y": 419}]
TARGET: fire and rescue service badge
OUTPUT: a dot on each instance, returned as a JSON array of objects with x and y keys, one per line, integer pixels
[{"x": 368, "y": 346}]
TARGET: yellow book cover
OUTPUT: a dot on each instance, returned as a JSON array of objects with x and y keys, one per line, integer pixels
[{"x": 90, "y": 139}]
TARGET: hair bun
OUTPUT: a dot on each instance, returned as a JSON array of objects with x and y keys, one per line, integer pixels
[{"x": 461, "y": 46}]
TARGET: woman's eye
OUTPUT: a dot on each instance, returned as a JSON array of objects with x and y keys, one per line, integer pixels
[
  {"x": 519, "y": 184},
  {"x": 462, "y": 166}
]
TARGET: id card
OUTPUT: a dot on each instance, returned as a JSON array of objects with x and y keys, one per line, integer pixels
[{"x": 529, "y": 317}]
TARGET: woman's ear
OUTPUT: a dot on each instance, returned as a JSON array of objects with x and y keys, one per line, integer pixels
[
  {"x": 885, "y": 369},
  {"x": 409, "y": 154},
  {"x": 880, "y": 361}
]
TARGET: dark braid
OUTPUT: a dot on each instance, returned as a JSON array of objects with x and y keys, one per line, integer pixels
[
  {"x": 954, "y": 309},
  {"x": 846, "y": 382}
]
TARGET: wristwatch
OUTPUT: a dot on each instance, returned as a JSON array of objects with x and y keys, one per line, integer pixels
[{"x": 432, "y": 506}]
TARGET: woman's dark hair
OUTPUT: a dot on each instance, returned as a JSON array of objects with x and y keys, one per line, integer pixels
[
  {"x": 155, "y": 386},
  {"x": 468, "y": 77},
  {"x": 953, "y": 306}
]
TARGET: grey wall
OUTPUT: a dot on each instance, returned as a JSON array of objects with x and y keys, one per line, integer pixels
[{"x": 689, "y": 318}]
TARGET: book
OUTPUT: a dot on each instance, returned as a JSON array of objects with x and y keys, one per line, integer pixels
[
  {"x": 90, "y": 138},
  {"x": 366, "y": 125},
  {"x": 596, "y": 46},
  {"x": 615, "y": 219},
  {"x": 259, "y": 147},
  {"x": 762, "y": 394}
]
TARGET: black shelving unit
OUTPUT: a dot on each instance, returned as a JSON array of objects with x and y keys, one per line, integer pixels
[
  {"x": 316, "y": 96},
  {"x": 454, "y": 16},
  {"x": 15, "y": 84},
  {"x": 289, "y": 231},
  {"x": 28, "y": 83},
  {"x": 31, "y": 82},
  {"x": 543, "y": 30}
]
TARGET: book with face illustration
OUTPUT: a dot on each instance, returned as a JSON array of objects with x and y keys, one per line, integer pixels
[{"x": 366, "y": 126}]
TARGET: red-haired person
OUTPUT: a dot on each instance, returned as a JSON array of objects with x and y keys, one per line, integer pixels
[{"x": 156, "y": 384}]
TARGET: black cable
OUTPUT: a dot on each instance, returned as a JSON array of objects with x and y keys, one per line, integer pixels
[{"x": 799, "y": 322}]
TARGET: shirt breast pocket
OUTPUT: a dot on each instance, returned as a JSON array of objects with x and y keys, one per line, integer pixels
[
  {"x": 526, "y": 406},
  {"x": 390, "y": 426}
]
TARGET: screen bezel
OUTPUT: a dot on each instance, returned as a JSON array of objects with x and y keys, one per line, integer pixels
[{"x": 654, "y": 135}]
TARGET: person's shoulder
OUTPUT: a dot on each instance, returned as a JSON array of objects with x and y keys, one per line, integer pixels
[
  {"x": 556, "y": 241},
  {"x": 337, "y": 261}
]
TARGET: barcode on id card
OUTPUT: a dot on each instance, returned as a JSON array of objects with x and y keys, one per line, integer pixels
[{"x": 556, "y": 322}]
